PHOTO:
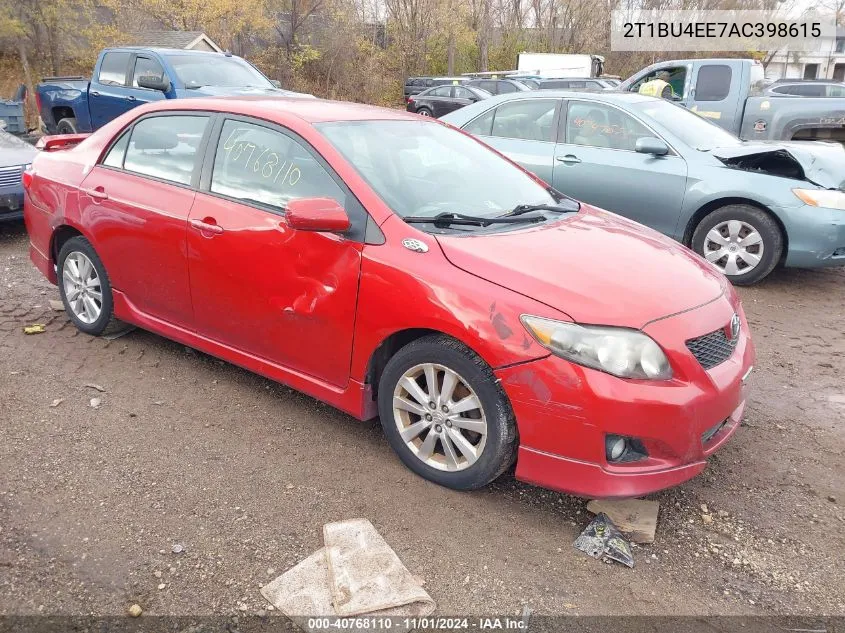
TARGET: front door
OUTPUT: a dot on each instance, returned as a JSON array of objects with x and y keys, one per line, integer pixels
[
  {"x": 137, "y": 203},
  {"x": 595, "y": 162},
  {"x": 259, "y": 286}
]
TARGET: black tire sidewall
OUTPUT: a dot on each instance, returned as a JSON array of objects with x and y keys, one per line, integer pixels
[
  {"x": 762, "y": 222},
  {"x": 81, "y": 245},
  {"x": 425, "y": 110},
  {"x": 498, "y": 453},
  {"x": 67, "y": 122}
]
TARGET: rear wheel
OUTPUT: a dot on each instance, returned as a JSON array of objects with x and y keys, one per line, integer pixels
[
  {"x": 742, "y": 241},
  {"x": 424, "y": 112},
  {"x": 445, "y": 415},
  {"x": 84, "y": 287},
  {"x": 67, "y": 126}
]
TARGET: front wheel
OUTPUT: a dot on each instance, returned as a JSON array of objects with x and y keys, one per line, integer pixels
[
  {"x": 445, "y": 415},
  {"x": 742, "y": 241},
  {"x": 424, "y": 112}
]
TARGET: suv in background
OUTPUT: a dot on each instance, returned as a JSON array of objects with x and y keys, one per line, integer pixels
[
  {"x": 498, "y": 86},
  {"x": 415, "y": 85},
  {"x": 806, "y": 88},
  {"x": 575, "y": 83}
]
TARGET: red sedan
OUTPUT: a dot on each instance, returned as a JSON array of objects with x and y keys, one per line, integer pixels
[{"x": 391, "y": 265}]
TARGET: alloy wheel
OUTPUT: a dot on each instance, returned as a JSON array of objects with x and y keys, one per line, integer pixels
[
  {"x": 439, "y": 417},
  {"x": 734, "y": 247},
  {"x": 82, "y": 287}
]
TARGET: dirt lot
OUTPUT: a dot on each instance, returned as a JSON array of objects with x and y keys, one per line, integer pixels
[{"x": 243, "y": 472}]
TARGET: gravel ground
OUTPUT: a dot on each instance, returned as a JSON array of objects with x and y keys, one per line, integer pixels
[{"x": 185, "y": 449}]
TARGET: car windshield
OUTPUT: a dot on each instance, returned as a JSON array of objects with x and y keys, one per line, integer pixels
[
  {"x": 693, "y": 130},
  {"x": 195, "y": 71},
  {"x": 423, "y": 168}
]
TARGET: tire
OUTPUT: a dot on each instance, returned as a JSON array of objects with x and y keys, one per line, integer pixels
[
  {"x": 725, "y": 221},
  {"x": 424, "y": 112},
  {"x": 492, "y": 451},
  {"x": 67, "y": 126},
  {"x": 81, "y": 317}
]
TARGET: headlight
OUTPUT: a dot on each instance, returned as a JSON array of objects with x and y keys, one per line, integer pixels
[
  {"x": 618, "y": 351},
  {"x": 822, "y": 198}
]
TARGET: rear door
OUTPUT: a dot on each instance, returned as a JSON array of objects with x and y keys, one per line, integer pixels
[
  {"x": 714, "y": 93},
  {"x": 595, "y": 162},
  {"x": 107, "y": 94},
  {"x": 524, "y": 130},
  {"x": 137, "y": 202}
]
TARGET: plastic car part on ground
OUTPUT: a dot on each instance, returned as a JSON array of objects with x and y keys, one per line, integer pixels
[
  {"x": 356, "y": 573},
  {"x": 601, "y": 539},
  {"x": 35, "y": 328}
]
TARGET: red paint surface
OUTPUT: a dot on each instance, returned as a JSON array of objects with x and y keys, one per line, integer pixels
[{"x": 311, "y": 308}]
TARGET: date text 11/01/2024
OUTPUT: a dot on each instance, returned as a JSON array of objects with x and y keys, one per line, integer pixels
[
  {"x": 704, "y": 30},
  {"x": 387, "y": 623}
]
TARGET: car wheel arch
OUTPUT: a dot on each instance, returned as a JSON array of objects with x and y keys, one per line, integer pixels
[
  {"x": 718, "y": 203},
  {"x": 61, "y": 234}
]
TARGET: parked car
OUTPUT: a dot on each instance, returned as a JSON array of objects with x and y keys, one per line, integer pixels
[
  {"x": 729, "y": 93},
  {"x": 498, "y": 86},
  {"x": 391, "y": 265},
  {"x": 416, "y": 85},
  {"x": 444, "y": 99},
  {"x": 574, "y": 83},
  {"x": 125, "y": 78},
  {"x": 15, "y": 155},
  {"x": 806, "y": 88},
  {"x": 746, "y": 207}
]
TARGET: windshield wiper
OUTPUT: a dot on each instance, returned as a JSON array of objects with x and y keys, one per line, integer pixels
[
  {"x": 447, "y": 219},
  {"x": 554, "y": 208}
]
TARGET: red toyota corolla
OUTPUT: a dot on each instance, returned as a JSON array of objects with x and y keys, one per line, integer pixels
[{"x": 391, "y": 265}]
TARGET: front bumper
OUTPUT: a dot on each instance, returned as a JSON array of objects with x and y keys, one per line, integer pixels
[
  {"x": 815, "y": 235},
  {"x": 11, "y": 205},
  {"x": 564, "y": 411}
]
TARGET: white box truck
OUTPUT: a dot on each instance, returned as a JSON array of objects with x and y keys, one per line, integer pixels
[{"x": 560, "y": 65}]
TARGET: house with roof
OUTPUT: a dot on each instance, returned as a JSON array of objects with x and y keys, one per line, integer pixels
[
  {"x": 188, "y": 40},
  {"x": 825, "y": 61}
]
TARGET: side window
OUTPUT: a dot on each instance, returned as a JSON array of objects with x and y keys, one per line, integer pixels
[
  {"x": 165, "y": 147},
  {"x": 529, "y": 119},
  {"x": 259, "y": 165},
  {"x": 113, "y": 69},
  {"x": 677, "y": 77},
  {"x": 146, "y": 67},
  {"x": 442, "y": 91},
  {"x": 577, "y": 85},
  {"x": 463, "y": 93},
  {"x": 481, "y": 125},
  {"x": 836, "y": 91},
  {"x": 713, "y": 82},
  {"x": 489, "y": 86},
  {"x": 506, "y": 86},
  {"x": 598, "y": 125},
  {"x": 557, "y": 85},
  {"x": 117, "y": 152}
]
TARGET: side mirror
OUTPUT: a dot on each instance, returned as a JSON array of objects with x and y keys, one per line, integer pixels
[
  {"x": 317, "y": 214},
  {"x": 652, "y": 145},
  {"x": 276, "y": 83},
  {"x": 154, "y": 83}
]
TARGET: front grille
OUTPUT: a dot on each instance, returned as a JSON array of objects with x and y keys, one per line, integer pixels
[
  {"x": 10, "y": 176},
  {"x": 712, "y": 349}
]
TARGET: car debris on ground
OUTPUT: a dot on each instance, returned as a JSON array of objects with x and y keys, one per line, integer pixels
[
  {"x": 601, "y": 539},
  {"x": 356, "y": 573},
  {"x": 35, "y": 328},
  {"x": 635, "y": 518}
]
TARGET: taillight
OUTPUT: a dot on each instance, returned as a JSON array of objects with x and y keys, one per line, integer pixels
[{"x": 26, "y": 177}]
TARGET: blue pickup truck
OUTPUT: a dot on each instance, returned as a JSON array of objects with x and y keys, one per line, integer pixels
[{"x": 128, "y": 77}]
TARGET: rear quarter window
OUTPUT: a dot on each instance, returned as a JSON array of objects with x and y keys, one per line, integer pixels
[
  {"x": 713, "y": 83},
  {"x": 113, "y": 69}
]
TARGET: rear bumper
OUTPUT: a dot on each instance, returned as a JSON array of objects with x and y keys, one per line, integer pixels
[{"x": 564, "y": 413}]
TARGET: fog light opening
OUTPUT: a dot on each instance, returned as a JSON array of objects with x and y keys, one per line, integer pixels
[{"x": 620, "y": 449}]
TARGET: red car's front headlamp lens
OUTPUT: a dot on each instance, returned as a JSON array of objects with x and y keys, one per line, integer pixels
[{"x": 619, "y": 351}]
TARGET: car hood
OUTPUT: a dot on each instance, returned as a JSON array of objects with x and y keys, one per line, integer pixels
[
  {"x": 234, "y": 91},
  {"x": 820, "y": 163},
  {"x": 595, "y": 266},
  {"x": 14, "y": 151}
]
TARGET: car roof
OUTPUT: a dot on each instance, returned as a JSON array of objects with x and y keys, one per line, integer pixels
[
  {"x": 607, "y": 96},
  {"x": 272, "y": 107},
  {"x": 165, "y": 51}
]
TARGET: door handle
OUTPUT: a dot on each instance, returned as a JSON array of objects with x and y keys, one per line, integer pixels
[
  {"x": 131, "y": 97},
  {"x": 568, "y": 159},
  {"x": 94, "y": 93},
  {"x": 96, "y": 194},
  {"x": 208, "y": 225}
]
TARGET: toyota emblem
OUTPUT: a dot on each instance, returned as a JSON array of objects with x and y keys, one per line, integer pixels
[{"x": 418, "y": 246}]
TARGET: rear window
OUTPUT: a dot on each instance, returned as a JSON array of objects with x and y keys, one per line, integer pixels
[
  {"x": 165, "y": 147},
  {"x": 713, "y": 83},
  {"x": 113, "y": 69}
]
